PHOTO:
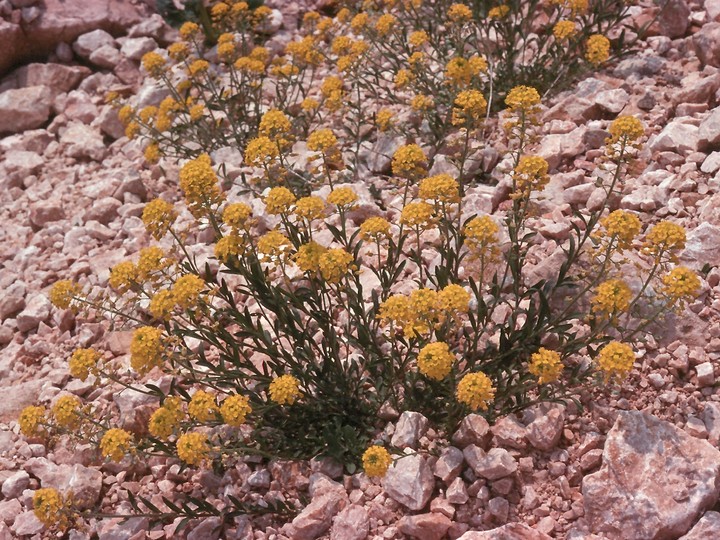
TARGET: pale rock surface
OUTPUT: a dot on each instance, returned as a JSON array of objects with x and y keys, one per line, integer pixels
[
  {"x": 630, "y": 499},
  {"x": 408, "y": 430},
  {"x": 473, "y": 429},
  {"x": 494, "y": 464},
  {"x": 410, "y": 482},
  {"x": 545, "y": 430},
  {"x": 677, "y": 136},
  {"x": 9, "y": 510},
  {"x": 84, "y": 482},
  {"x": 83, "y": 142},
  {"x": 58, "y": 78},
  {"x": 14, "y": 486},
  {"x": 27, "y": 524},
  {"x": 509, "y": 432},
  {"x": 351, "y": 523},
  {"x": 708, "y": 527},
  {"x": 87, "y": 43},
  {"x": 673, "y": 18},
  {"x": 511, "y": 531},
  {"x": 707, "y": 44},
  {"x": 711, "y": 418},
  {"x": 23, "y": 109},
  {"x": 316, "y": 518},
  {"x": 36, "y": 311},
  {"x": 449, "y": 464},
  {"x": 709, "y": 130},
  {"x": 135, "y": 48},
  {"x": 702, "y": 246},
  {"x": 431, "y": 526},
  {"x": 562, "y": 146}
]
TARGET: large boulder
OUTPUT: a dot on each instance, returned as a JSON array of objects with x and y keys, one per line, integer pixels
[
  {"x": 654, "y": 483},
  {"x": 23, "y": 109}
]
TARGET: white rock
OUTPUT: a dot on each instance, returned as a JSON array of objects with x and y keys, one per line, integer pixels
[
  {"x": 15, "y": 485},
  {"x": 91, "y": 41},
  {"x": 27, "y": 108},
  {"x": 352, "y": 523},
  {"x": 677, "y": 136},
  {"x": 36, "y": 311},
  {"x": 708, "y": 527},
  {"x": 135, "y": 48},
  {"x": 705, "y": 374},
  {"x": 81, "y": 141},
  {"x": 408, "y": 430},
  {"x": 410, "y": 482},
  {"x": 494, "y": 464}
]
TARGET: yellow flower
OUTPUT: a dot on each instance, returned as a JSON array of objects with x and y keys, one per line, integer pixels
[
  {"x": 162, "y": 423},
  {"x": 152, "y": 153},
  {"x": 146, "y": 349},
  {"x": 441, "y": 188},
  {"x": 499, "y": 12},
  {"x": 261, "y": 151},
  {"x": 665, "y": 237},
  {"x": 187, "y": 289},
  {"x": 200, "y": 185},
  {"x": 530, "y": 174},
  {"x": 418, "y": 38},
  {"x": 178, "y": 51},
  {"x": 152, "y": 259},
  {"x": 273, "y": 244},
  {"x": 322, "y": 140},
  {"x": 279, "y": 200},
  {"x": 460, "y": 71},
  {"x": 469, "y": 107},
  {"x": 284, "y": 390},
  {"x": 359, "y": 22},
  {"x": 459, "y": 13},
  {"x": 403, "y": 78},
  {"x": 153, "y": 63},
  {"x": 202, "y": 407},
  {"x": 435, "y": 360},
  {"x": 621, "y": 225},
  {"x": 545, "y": 365},
  {"x": 522, "y": 98},
  {"x": 398, "y": 310},
  {"x": 476, "y": 391},
  {"x": 616, "y": 360},
  {"x": 681, "y": 284},
  {"x": 454, "y": 298},
  {"x": 50, "y": 508},
  {"x": 421, "y": 103},
  {"x": 122, "y": 276},
  {"x": 229, "y": 246},
  {"x": 612, "y": 297},
  {"x": 219, "y": 11},
  {"x": 236, "y": 215},
  {"x": 162, "y": 305},
  {"x": 189, "y": 30},
  {"x": 625, "y": 130},
  {"x": 417, "y": 215},
  {"x": 234, "y": 410},
  {"x": 598, "y": 49},
  {"x": 375, "y": 228},
  {"x": 342, "y": 196},
  {"x": 275, "y": 125},
  {"x": 30, "y": 420},
  {"x": 63, "y": 293},
  {"x": 310, "y": 208},
  {"x": 249, "y": 66},
  {"x": 563, "y": 30},
  {"x": 376, "y": 461},
  {"x": 125, "y": 114},
  {"x": 384, "y": 119},
  {"x": 65, "y": 411},
  {"x": 409, "y": 161},
  {"x": 193, "y": 448},
  {"x": 83, "y": 362},
  {"x": 132, "y": 130},
  {"x": 335, "y": 264},
  {"x": 197, "y": 67},
  {"x": 115, "y": 444},
  {"x": 308, "y": 256},
  {"x": 385, "y": 24},
  {"x": 481, "y": 234},
  {"x": 309, "y": 104}
]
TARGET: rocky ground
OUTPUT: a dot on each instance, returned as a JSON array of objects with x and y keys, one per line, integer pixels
[{"x": 638, "y": 462}]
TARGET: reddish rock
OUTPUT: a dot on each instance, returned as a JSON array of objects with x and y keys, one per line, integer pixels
[
  {"x": 430, "y": 526},
  {"x": 410, "y": 482},
  {"x": 352, "y": 523},
  {"x": 672, "y": 477},
  {"x": 511, "y": 531},
  {"x": 23, "y": 109}
]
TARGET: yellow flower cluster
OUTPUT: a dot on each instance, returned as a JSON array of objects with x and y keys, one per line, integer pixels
[
  {"x": 187, "y": 289},
  {"x": 612, "y": 297},
  {"x": 469, "y": 108},
  {"x": 83, "y": 362},
  {"x": 275, "y": 125},
  {"x": 284, "y": 390},
  {"x": 310, "y": 208},
  {"x": 236, "y": 215},
  {"x": 63, "y": 293},
  {"x": 665, "y": 237},
  {"x": 189, "y": 31},
  {"x": 385, "y": 24},
  {"x": 625, "y": 130},
  {"x": 375, "y": 229},
  {"x": 51, "y": 509},
  {"x": 421, "y": 103},
  {"x": 115, "y": 444},
  {"x": 322, "y": 140},
  {"x": 459, "y": 13},
  {"x": 441, "y": 188},
  {"x": 681, "y": 284},
  {"x": 335, "y": 264},
  {"x": 31, "y": 419},
  {"x": 563, "y": 30},
  {"x": 151, "y": 260},
  {"x": 530, "y": 174},
  {"x": 499, "y": 12},
  {"x": 162, "y": 305},
  {"x": 65, "y": 411},
  {"x": 193, "y": 448},
  {"x": 476, "y": 391},
  {"x": 616, "y": 360},
  {"x": 597, "y": 49},
  {"x": 435, "y": 360},
  {"x": 545, "y": 365},
  {"x": 228, "y": 247},
  {"x": 424, "y": 309},
  {"x": 279, "y": 200},
  {"x": 454, "y": 299},
  {"x": 200, "y": 185},
  {"x": 344, "y": 197},
  {"x": 158, "y": 216},
  {"x": 409, "y": 162},
  {"x": 460, "y": 72},
  {"x": 481, "y": 234},
  {"x": 418, "y": 215},
  {"x": 384, "y": 119},
  {"x": 122, "y": 276},
  {"x": 234, "y": 410},
  {"x": 166, "y": 419},
  {"x": 261, "y": 152},
  {"x": 623, "y": 226},
  {"x": 273, "y": 244},
  {"x": 202, "y": 407},
  {"x": 523, "y": 99},
  {"x": 146, "y": 349},
  {"x": 153, "y": 63},
  {"x": 418, "y": 38},
  {"x": 308, "y": 256},
  {"x": 376, "y": 461}
]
